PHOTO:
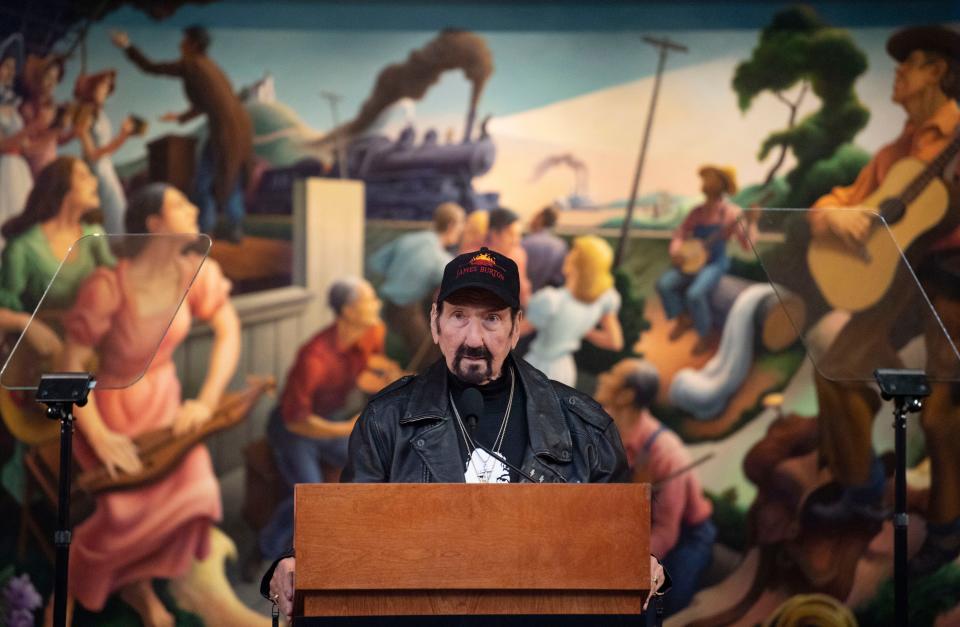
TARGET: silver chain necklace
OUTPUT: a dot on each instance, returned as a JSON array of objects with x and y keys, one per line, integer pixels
[{"x": 498, "y": 442}]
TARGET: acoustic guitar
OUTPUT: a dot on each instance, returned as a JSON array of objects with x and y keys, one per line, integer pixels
[{"x": 911, "y": 200}]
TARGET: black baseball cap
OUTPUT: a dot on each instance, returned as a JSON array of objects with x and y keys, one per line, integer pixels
[{"x": 483, "y": 269}]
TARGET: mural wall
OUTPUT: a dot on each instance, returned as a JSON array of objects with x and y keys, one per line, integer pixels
[{"x": 519, "y": 129}]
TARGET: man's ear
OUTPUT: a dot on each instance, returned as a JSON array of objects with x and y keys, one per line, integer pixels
[
  {"x": 939, "y": 67},
  {"x": 515, "y": 331},
  {"x": 433, "y": 323}
]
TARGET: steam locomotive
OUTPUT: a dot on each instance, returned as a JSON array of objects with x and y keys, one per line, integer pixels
[{"x": 404, "y": 180}]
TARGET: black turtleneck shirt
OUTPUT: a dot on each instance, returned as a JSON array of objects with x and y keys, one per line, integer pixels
[{"x": 495, "y": 396}]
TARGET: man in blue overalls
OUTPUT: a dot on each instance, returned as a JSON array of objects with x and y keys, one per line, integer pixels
[{"x": 685, "y": 292}]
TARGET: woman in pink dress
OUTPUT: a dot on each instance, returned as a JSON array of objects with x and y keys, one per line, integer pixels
[{"x": 157, "y": 530}]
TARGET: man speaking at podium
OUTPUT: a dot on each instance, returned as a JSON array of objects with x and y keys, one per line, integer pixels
[{"x": 479, "y": 414}]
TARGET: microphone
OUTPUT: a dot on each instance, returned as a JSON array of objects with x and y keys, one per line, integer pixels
[{"x": 471, "y": 405}]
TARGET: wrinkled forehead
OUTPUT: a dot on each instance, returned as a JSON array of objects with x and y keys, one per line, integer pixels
[
  {"x": 477, "y": 297},
  {"x": 474, "y": 308}
]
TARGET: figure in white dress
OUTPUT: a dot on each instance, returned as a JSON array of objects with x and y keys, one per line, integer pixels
[
  {"x": 98, "y": 143},
  {"x": 585, "y": 308}
]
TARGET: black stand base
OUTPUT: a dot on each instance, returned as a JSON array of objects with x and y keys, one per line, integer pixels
[
  {"x": 907, "y": 389},
  {"x": 60, "y": 392}
]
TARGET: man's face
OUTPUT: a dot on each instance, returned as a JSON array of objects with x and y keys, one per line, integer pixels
[
  {"x": 364, "y": 311},
  {"x": 611, "y": 391},
  {"x": 475, "y": 340},
  {"x": 187, "y": 46},
  {"x": 915, "y": 74},
  {"x": 507, "y": 239},
  {"x": 710, "y": 183}
]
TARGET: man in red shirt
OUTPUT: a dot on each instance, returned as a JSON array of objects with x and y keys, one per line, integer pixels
[
  {"x": 927, "y": 86},
  {"x": 312, "y": 422}
]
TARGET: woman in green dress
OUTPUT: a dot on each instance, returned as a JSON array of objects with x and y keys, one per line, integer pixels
[
  {"x": 37, "y": 241},
  {"x": 40, "y": 238}
]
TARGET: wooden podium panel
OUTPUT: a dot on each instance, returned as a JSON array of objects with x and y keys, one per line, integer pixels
[{"x": 465, "y": 549}]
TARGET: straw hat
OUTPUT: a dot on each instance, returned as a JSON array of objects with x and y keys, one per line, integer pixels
[{"x": 726, "y": 173}]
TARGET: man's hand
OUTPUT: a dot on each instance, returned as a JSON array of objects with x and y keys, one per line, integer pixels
[
  {"x": 281, "y": 586},
  {"x": 120, "y": 39},
  {"x": 170, "y": 116},
  {"x": 657, "y": 578},
  {"x": 850, "y": 226},
  {"x": 677, "y": 258}
]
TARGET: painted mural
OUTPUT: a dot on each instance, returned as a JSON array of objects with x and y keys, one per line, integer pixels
[{"x": 703, "y": 297}]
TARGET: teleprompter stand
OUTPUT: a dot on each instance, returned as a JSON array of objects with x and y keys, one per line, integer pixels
[
  {"x": 60, "y": 392},
  {"x": 871, "y": 283},
  {"x": 907, "y": 389}
]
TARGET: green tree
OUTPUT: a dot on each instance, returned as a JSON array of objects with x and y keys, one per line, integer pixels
[{"x": 798, "y": 50}]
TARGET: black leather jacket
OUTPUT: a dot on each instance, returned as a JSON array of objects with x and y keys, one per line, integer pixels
[{"x": 407, "y": 434}]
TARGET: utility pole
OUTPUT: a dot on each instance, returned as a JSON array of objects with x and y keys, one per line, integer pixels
[
  {"x": 664, "y": 47},
  {"x": 332, "y": 99}
]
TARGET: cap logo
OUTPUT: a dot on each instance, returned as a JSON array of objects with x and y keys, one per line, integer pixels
[{"x": 483, "y": 263}]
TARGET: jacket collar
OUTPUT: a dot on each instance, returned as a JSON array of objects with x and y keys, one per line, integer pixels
[{"x": 547, "y": 427}]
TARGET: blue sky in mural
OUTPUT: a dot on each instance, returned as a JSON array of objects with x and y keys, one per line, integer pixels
[{"x": 251, "y": 38}]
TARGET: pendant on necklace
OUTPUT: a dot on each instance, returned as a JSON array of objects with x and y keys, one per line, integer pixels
[{"x": 482, "y": 467}]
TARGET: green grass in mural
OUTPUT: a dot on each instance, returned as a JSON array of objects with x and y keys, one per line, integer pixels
[{"x": 929, "y": 597}]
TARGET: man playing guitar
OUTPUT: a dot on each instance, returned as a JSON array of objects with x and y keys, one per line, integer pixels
[
  {"x": 698, "y": 253},
  {"x": 927, "y": 86}
]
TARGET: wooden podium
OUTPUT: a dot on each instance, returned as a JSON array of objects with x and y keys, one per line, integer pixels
[{"x": 367, "y": 550}]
